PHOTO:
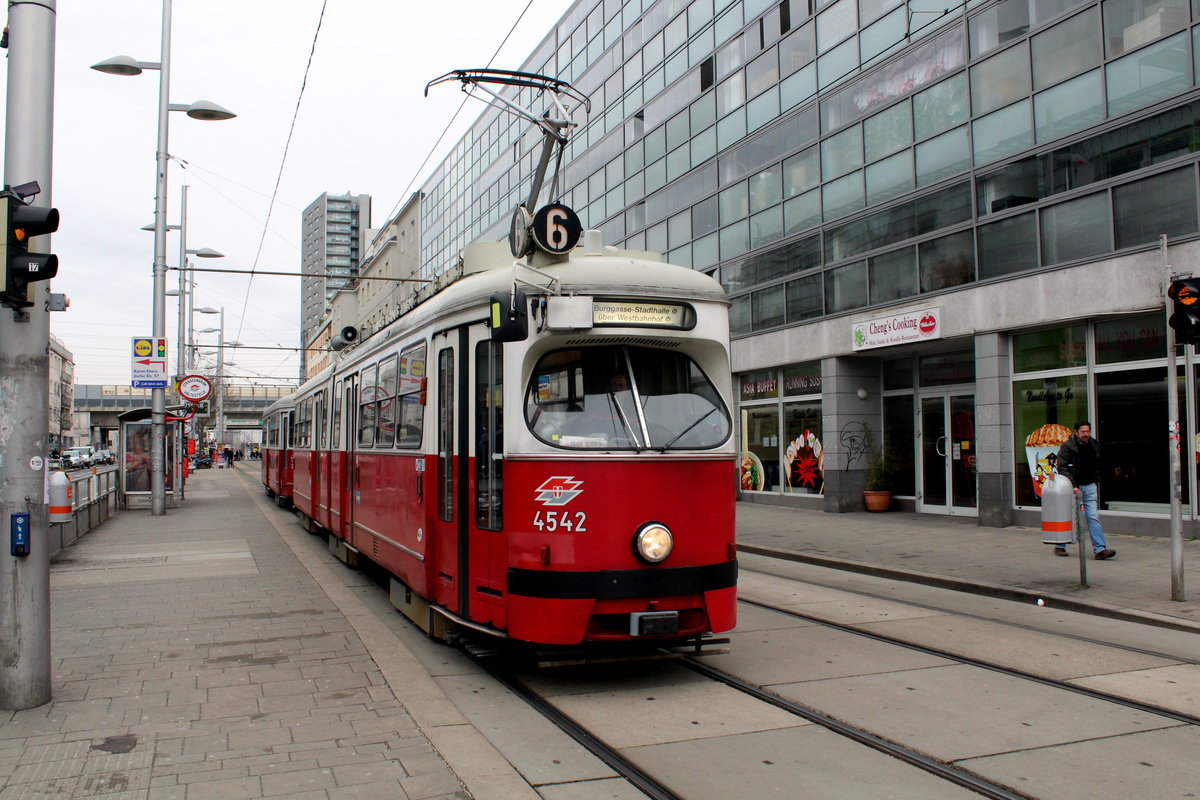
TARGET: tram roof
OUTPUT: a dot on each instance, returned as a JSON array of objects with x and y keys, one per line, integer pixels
[{"x": 488, "y": 268}]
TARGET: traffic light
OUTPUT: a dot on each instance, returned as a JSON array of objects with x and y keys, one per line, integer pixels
[
  {"x": 1185, "y": 311},
  {"x": 21, "y": 267}
]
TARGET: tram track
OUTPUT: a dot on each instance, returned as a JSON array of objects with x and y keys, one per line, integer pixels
[
  {"x": 1137, "y": 705},
  {"x": 644, "y": 779},
  {"x": 652, "y": 787},
  {"x": 968, "y": 615}
]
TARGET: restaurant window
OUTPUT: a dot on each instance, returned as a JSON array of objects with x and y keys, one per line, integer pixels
[
  {"x": 1131, "y": 412},
  {"x": 946, "y": 369},
  {"x": 1044, "y": 411},
  {"x": 803, "y": 455},
  {"x": 781, "y": 430},
  {"x": 899, "y": 436},
  {"x": 1054, "y": 349},
  {"x": 759, "y": 461},
  {"x": 1127, "y": 408},
  {"x": 898, "y": 373},
  {"x": 1131, "y": 339}
]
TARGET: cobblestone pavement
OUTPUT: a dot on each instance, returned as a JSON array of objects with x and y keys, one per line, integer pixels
[{"x": 195, "y": 658}]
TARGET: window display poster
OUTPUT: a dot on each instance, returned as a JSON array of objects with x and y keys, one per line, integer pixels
[
  {"x": 1044, "y": 409},
  {"x": 804, "y": 457}
]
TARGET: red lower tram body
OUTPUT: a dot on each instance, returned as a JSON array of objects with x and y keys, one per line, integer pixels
[
  {"x": 277, "y": 473},
  {"x": 562, "y": 568}
]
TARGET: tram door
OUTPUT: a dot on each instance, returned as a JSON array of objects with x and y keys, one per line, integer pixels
[
  {"x": 345, "y": 473},
  {"x": 449, "y": 522},
  {"x": 334, "y": 487},
  {"x": 470, "y": 548}
]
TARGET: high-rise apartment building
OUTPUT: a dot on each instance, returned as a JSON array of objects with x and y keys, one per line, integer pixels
[
  {"x": 62, "y": 392},
  {"x": 939, "y": 228},
  {"x": 333, "y": 230}
]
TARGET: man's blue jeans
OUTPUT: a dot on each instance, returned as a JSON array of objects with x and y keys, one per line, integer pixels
[{"x": 1087, "y": 494}]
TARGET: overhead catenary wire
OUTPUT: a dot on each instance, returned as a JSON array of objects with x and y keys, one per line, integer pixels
[
  {"x": 461, "y": 105},
  {"x": 283, "y": 161}
]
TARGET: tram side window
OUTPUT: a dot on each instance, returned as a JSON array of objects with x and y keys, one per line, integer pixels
[
  {"x": 321, "y": 421},
  {"x": 367, "y": 395},
  {"x": 336, "y": 440},
  {"x": 489, "y": 434},
  {"x": 385, "y": 427},
  {"x": 303, "y": 423},
  {"x": 624, "y": 398},
  {"x": 408, "y": 399}
]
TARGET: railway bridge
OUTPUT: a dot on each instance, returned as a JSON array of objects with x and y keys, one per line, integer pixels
[{"x": 96, "y": 408}]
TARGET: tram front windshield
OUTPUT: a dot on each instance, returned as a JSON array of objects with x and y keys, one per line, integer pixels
[{"x": 624, "y": 398}]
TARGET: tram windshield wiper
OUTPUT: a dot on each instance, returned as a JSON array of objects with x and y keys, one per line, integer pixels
[
  {"x": 681, "y": 434},
  {"x": 633, "y": 436}
]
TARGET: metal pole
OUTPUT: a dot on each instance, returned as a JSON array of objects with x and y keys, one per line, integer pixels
[
  {"x": 25, "y": 373},
  {"x": 1177, "y": 591},
  {"x": 158, "y": 396},
  {"x": 221, "y": 381},
  {"x": 180, "y": 363},
  {"x": 180, "y": 448},
  {"x": 1081, "y": 540}
]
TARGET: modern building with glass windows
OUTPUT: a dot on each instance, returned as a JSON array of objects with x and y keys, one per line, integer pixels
[
  {"x": 939, "y": 229},
  {"x": 332, "y": 229}
]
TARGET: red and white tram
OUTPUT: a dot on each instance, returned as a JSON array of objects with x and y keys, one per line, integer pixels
[{"x": 554, "y": 465}]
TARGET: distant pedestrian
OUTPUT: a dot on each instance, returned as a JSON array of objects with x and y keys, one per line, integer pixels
[{"x": 1079, "y": 460}]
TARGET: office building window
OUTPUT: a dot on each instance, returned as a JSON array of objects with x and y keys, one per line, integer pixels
[
  {"x": 1076, "y": 229},
  {"x": 1067, "y": 49},
  {"x": 1148, "y": 208}
]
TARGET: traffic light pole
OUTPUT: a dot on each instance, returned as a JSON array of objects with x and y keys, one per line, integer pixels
[
  {"x": 1173, "y": 438},
  {"x": 25, "y": 375}
]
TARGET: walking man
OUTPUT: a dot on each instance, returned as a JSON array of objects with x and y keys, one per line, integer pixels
[{"x": 1079, "y": 460}]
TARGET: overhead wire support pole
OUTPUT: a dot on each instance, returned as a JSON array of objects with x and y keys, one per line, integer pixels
[
  {"x": 158, "y": 396},
  {"x": 25, "y": 667}
]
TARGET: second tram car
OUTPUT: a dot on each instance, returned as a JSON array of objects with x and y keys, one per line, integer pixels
[{"x": 553, "y": 465}]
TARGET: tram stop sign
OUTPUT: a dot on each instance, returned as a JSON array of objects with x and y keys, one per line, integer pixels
[{"x": 195, "y": 388}]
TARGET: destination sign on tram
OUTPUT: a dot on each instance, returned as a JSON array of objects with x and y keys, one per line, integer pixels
[{"x": 655, "y": 315}]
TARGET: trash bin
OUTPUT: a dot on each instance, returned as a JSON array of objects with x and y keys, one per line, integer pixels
[{"x": 1058, "y": 511}]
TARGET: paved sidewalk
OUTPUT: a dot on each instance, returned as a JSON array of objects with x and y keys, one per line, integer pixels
[
  {"x": 1005, "y": 562},
  {"x": 195, "y": 658}
]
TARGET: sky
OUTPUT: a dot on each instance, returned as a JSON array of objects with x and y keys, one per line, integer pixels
[{"x": 362, "y": 126}]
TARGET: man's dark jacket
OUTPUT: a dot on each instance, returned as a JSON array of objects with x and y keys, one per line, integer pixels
[{"x": 1078, "y": 461}]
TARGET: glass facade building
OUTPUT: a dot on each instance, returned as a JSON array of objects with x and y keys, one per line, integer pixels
[{"x": 936, "y": 228}]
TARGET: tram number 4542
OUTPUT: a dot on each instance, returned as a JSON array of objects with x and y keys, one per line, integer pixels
[{"x": 574, "y": 521}]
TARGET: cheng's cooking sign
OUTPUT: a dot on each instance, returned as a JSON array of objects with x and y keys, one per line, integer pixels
[
  {"x": 658, "y": 315},
  {"x": 898, "y": 329}
]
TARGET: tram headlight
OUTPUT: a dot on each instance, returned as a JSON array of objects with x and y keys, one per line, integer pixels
[{"x": 653, "y": 542}]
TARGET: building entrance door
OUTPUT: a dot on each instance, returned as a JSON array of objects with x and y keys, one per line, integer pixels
[{"x": 946, "y": 454}]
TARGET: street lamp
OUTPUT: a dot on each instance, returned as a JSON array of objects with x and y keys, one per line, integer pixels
[
  {"x": 221, "y": 362},
  {"x": 182, "y": 291},
  {"x": 201, "y": 109}
]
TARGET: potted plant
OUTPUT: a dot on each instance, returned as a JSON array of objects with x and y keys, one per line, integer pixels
[{"x": 877, "y": 492}]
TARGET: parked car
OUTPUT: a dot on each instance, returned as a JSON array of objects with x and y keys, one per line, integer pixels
[{"x": 77, "y": 457}]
